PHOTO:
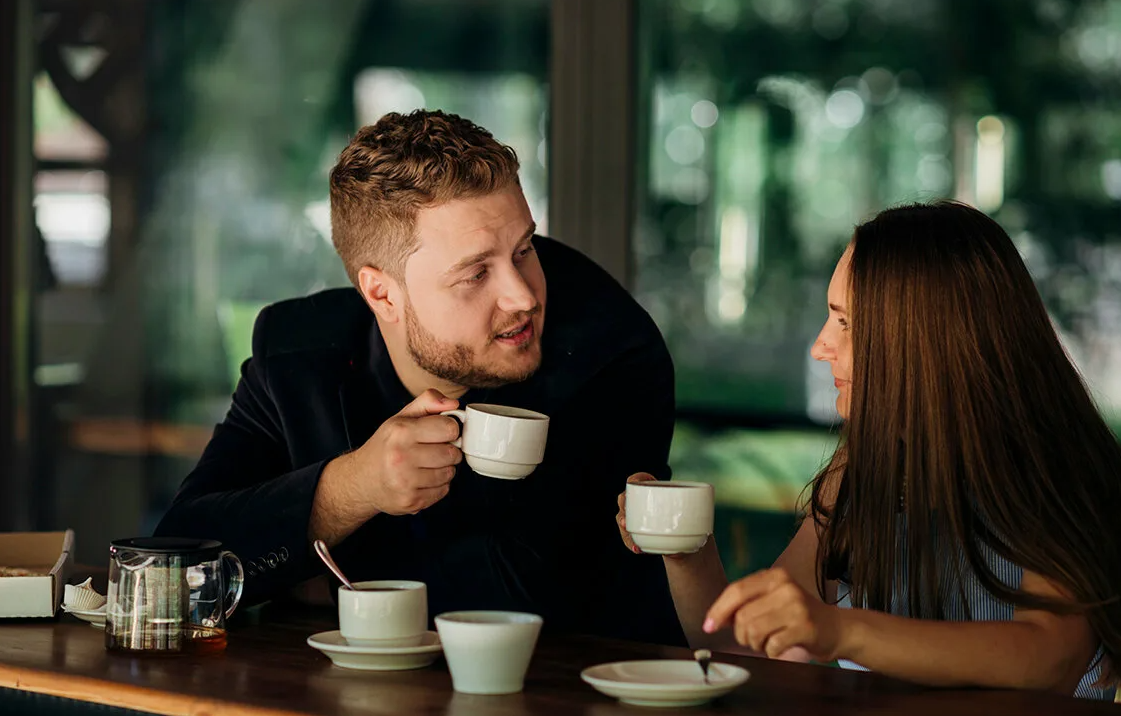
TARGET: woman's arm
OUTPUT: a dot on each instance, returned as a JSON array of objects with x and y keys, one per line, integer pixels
[
  {"x": 770, "y": 612},
  {"x": 799, "y": 560},
  {"x": 1036, "y": 650},
  {"x": 695, "y": 581}
]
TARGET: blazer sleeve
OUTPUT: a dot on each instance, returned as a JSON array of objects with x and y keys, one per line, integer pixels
[
  {"x": 626, "y": 424},
  {"x": 245, "y": 492}
]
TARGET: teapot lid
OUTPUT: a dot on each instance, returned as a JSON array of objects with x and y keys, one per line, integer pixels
[{"x": 187, "y": 548}]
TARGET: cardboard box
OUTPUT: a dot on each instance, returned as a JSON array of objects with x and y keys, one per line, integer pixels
[{"x": 49, "y": 552}]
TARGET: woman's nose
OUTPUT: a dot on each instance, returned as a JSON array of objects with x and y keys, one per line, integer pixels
[{"x": 820, "y": 350}]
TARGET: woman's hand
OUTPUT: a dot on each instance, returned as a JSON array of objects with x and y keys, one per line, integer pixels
[
  {"x": 768, "y": 612},
  {"x": 621, "y": 518}
]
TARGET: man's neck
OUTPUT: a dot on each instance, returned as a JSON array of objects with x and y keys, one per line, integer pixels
[{"x": 415, "y": 379}]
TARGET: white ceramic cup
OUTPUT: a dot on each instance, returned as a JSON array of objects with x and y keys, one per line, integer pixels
[
  {"x": 488, "y": 652},
  {"x": 500, "y": 441},
  {"x": 670, "y": 517},
  {"x": 386, "y": 613}
]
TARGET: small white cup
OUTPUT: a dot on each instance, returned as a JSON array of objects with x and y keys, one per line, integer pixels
[
  {"x": 387, "y": 613},
  {"x": 500, "y": 441},
  {"x": 670, "y": 517},
  {"x": 488, "y": 652}
]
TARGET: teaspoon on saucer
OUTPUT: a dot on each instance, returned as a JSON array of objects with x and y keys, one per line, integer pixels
[{"x": 703, "y": 657}]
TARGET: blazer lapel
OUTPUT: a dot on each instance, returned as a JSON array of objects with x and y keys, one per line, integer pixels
[{"x": 360, "y": 407}]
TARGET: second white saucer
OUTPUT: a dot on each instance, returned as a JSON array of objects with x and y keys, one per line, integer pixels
[
  {"x": 95, "y": 617},
  {"x": 668, "y": 683},
  {"x": 372, "y": 658}
]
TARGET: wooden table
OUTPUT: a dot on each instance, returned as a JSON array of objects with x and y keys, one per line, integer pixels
[{"x": 268, "y": 670}]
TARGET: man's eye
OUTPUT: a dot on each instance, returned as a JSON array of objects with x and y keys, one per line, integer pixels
[
  {"x": 477, "y": 277},
  {"x": 526, "y": 251}
]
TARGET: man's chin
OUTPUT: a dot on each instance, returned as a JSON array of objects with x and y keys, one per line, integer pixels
[
  {"x": 496, "y": 376},
  {"x": 523, "y": 373},
  {"x": 519, "y": 372}
]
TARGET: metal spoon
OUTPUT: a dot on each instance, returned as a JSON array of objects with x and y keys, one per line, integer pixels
[
  {"x": 703, "y": 657},
  {"x": 321, "y": 550}
]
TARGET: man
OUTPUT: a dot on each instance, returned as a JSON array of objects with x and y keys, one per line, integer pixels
[{"x": 335, "y": 430}]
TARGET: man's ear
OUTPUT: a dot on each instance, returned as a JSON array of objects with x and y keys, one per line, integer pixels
[{"x": 382, "y": 293}]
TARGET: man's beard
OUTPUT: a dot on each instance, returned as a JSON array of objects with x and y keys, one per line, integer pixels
[{"x": 455, "y": 362}]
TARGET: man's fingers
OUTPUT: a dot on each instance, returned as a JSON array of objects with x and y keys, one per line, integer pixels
[
  {"x": 434, "y": 429},
  {"x": 429, "y": 496},
  {"x": 432, "y": 478},
  {"x": 640, "y": 477},
  {"x": 434, "y": 490},
  {"x": 430, "y": 402},
  {"x": 435, "y": 455}
]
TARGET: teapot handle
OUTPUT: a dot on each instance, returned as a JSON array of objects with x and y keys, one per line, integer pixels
[{"x": 236, "y": 581}]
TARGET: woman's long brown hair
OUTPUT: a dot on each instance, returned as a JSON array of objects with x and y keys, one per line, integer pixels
[{"x": 968, "y": 419}]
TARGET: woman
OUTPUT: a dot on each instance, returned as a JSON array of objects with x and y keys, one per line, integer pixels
[{"x": 970, "y": 508}]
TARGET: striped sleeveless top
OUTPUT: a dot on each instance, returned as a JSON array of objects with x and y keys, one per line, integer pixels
[{"x": 982, "y": 607}]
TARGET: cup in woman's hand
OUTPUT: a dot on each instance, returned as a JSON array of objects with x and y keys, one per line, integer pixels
[{"x": 669, "y": 517}]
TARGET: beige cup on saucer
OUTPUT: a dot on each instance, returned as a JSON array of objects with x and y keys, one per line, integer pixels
[
  {"x": 500, "y": 441},
  {"x": 670, "y": 517},
  {"x": 388, "y": 613},
  {"x": 488, "y": 652}
]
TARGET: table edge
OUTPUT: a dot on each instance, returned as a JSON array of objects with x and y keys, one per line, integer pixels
[{"x": 128, "y": 696}]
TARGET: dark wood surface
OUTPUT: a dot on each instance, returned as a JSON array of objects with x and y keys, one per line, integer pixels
[{"x": 268, "y": 669}]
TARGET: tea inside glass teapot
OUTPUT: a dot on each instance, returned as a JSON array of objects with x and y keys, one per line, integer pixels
[{"x": 170, "y": 595}]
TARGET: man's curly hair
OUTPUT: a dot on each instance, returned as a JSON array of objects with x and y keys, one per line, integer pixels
[{"x": 402, "y": 163}]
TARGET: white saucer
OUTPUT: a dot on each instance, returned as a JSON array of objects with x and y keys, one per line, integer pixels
[
  {"x": 373, "y": 658},
  {"x": 663, "y": 683},
  {"x": 95, "y": 617}
]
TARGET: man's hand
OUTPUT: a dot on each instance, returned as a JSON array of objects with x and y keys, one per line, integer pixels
[
  {"x": 409, "y": 463},
  {"x": 405, "y": 467}
]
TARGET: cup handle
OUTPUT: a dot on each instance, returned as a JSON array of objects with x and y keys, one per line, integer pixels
[
  {"x": 237, "y": 580},
  {"x": 461, "y": 416}
]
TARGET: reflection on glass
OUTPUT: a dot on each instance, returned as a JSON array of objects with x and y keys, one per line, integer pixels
[
  {"x": 219, "y": 205},
  {"x": 510, "y": 104},
  {"x": 72, "y": 214},
  {"x": 59, "y": 132},
  {"x": 774, "y": 127}
]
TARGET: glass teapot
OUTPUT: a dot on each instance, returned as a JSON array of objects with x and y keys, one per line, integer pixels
[{"x": 170, "y": 595}]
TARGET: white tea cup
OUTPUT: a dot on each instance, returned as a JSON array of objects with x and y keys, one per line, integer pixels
[
  {"x": 387, "y": 613},
  {"x": 500, "y": 441},
  {"x": 488, "y": 652},
  {"x": 670, "y": 517}
]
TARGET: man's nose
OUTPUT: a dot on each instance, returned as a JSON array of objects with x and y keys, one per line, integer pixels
[{"x": 517, "y": 295}]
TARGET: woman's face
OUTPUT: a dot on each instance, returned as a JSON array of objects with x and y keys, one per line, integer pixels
[{"x": 834, "y": 343}]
